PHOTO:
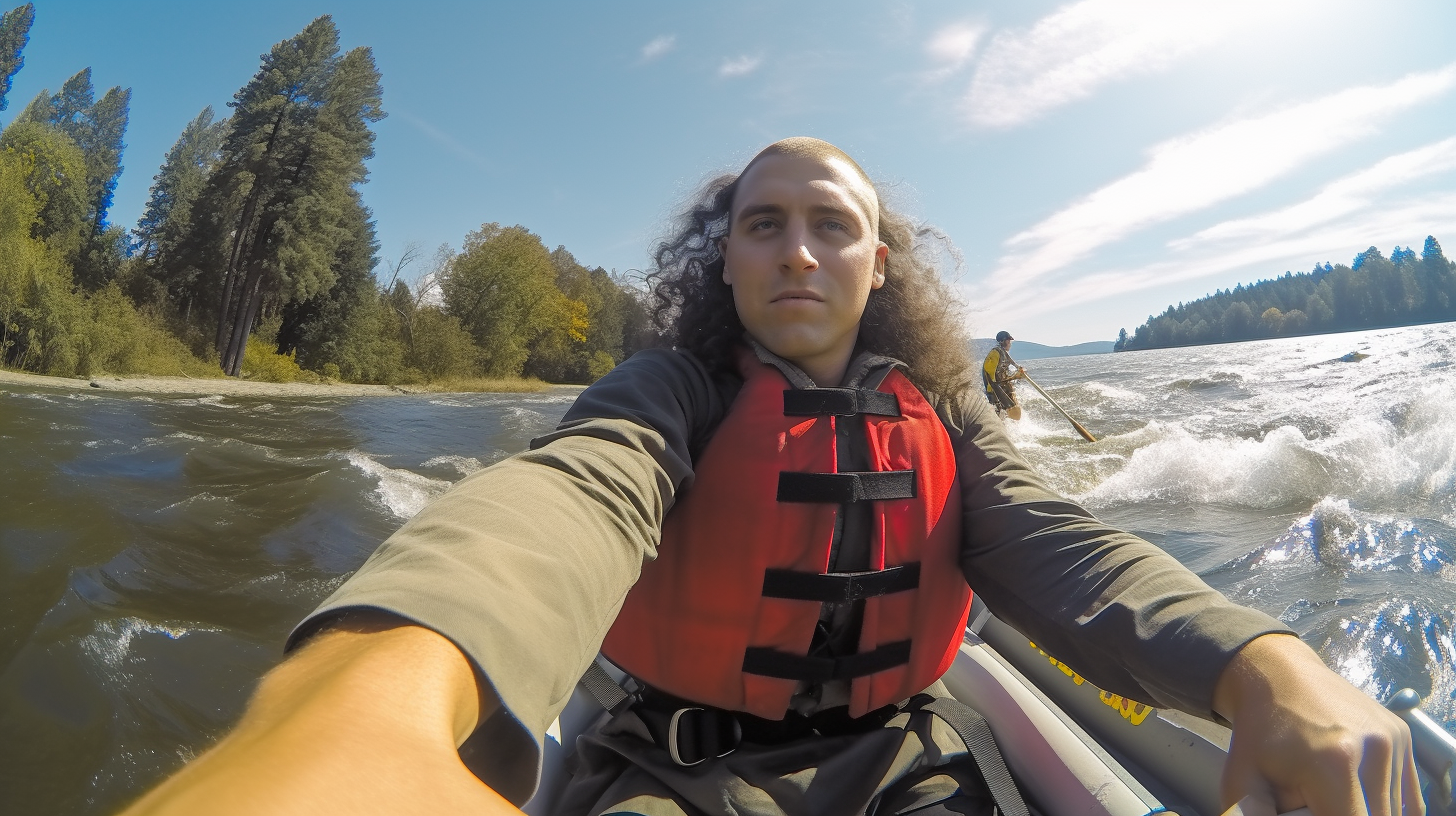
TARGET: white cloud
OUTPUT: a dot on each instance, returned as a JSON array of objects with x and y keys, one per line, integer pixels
[
  {"x": 658, "y": 47},
  {"x": 1191, "y": 173},
  {"x": 1338, "y": 198},
  {"x": 952, "y": 47},
  {"x": 739, "y": 66},
  {"x": 1407, "y": 222},
  {"x": 1076, "y": 49}
]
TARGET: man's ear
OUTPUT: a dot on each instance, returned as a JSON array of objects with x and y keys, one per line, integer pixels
[{"x": 882, "y": 252}]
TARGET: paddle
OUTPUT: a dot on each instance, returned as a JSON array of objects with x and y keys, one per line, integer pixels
[{"x": 1075, "y": 424}]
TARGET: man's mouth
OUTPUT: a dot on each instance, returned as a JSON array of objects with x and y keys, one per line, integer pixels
[{"x": 798, "y": 294}]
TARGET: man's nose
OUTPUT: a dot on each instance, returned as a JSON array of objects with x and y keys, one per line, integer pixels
[{"x": 797, "y": 256}]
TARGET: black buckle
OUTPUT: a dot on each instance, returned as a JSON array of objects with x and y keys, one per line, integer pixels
[{"x": 697, "y": 734}]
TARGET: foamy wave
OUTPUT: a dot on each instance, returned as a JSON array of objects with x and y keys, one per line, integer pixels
[
  {"x": 400, "y": 491},
  {"x": 524, "y": 420},
  {"x": 200, "y": 498},
  {"x": 112, "y": 639},
  {"x": 30, "y": 396},
  {"x": 1112, "y": 392},
  {"x": 1210, "y": 380},
  {"x": 466, "y": 465},
  {"x": 1382, "y": 455},
  {"x": 214, "y": 401},
  {"x": 1281, "y": 469},
  {"x": 1336, "y": 535}
]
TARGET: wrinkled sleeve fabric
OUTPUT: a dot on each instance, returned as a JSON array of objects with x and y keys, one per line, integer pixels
[
  {"x": 525, "y": 564},
  {"x": 1117, "y": 609}
]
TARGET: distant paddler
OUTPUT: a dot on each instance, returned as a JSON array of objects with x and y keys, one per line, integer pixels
[
  {"x": 1022, "y": 375},
  {"x": 997, "y": 377}
]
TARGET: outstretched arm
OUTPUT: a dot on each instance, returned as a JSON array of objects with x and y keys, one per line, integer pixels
[
  {"x": 366, "y": 718},
  {"x": 1303, "y": 737}
]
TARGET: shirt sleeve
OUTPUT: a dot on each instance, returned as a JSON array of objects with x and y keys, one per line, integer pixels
[
  {"x": 525, "y": 564},
  {"x": 1117, "y": 609}
]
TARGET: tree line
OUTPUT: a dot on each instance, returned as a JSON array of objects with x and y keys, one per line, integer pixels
[
  {"x": 256, "y": 254},
  {"x": 1372, "y": 292}
]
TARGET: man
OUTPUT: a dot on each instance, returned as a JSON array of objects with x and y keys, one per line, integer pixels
[
  {"x": 997, "y": 377},
  {"x": 452, "y": 650}
]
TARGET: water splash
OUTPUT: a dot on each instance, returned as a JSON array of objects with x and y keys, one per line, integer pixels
[
  {"x": 112, "y": 639},
  {"x": 401, "y": 492}
]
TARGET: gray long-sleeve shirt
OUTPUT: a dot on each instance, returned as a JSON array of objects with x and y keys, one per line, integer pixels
[{"x": 524, "y": 565}]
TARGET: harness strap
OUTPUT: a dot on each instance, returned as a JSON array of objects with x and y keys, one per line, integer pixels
[
  {"x": 843, "y": 488},
  {"x": 973, "y": 730},
  {"x": 606, "y": 691},
  {"x": 839, "y": 587},
  {"x": 768, "y": 662},
  {"x": 840, "y": 402}
]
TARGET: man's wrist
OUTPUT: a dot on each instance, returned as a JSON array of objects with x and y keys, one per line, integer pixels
[{"x": 1259, "y": 668}]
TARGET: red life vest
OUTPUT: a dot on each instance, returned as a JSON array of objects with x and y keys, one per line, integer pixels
[{"x": 725, "y": 615}]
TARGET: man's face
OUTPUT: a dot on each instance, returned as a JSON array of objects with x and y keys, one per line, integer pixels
[
  {"x": 1006, "y": 344},
  {"x": 802, "y": 256}
]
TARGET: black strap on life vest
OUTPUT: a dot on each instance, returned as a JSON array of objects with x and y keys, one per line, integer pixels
[
  {"x": 843, "y": 488},
  {"x": 846, "y": 587},
  {"x": 840, "y": 402},
  {"x": 839, "y": 587},
  {"x": 767, "y": 662}
]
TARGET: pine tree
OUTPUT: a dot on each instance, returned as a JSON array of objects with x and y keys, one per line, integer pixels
[
  {"x": 1432, "y": 250},
  {"x": 38, "y": 109},
  {"x": 107, "y": 120},
  {"x": 161, "y": 234},
  {"x": 345, "y": 326},
  {"x": 281, "y": 195},
  {"x": 14, "y": 34}
]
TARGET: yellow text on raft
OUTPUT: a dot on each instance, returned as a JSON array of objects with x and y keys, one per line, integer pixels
[{"x": 1133, "y": 712}]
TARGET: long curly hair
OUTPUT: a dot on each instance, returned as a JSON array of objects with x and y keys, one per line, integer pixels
[{"x": 914, "y": 317}]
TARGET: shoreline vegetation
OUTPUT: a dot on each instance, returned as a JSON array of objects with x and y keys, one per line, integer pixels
[
  {"x": 256, "y": 256},
  {"x": 1373, "y": 292},
  {"x": 229, "y": 386}
]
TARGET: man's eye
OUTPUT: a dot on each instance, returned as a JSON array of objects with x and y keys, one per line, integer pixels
[
  {"x": 835, "y": 225},
  {"x": 762, "y": 223}
]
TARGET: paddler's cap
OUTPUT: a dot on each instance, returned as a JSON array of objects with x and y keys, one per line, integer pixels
[{"x": 1002, "y": 337}]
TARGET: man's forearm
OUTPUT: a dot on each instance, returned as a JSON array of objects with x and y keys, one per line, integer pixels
[{"x": 366, "y": 720}]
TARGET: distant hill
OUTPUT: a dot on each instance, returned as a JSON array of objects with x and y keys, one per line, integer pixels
[{"x": 1026, "y": 350}]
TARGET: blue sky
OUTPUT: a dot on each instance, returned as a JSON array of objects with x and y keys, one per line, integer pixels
[{"x": 1093, "y": 161}]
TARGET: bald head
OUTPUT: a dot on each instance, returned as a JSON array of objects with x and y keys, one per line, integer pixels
[{"x": 806, "y": 147}]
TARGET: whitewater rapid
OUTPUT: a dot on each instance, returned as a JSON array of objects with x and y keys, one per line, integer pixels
[{"x": 1314, "y": 478}]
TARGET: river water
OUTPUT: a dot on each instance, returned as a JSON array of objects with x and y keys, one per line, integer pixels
[{"x": 155, "y": 551}]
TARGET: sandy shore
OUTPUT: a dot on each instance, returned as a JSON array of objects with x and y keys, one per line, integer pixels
[{"x": 208, "y": 387}]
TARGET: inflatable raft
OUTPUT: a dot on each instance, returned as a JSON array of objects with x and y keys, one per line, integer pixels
[{"x": 1075, "y": 750}]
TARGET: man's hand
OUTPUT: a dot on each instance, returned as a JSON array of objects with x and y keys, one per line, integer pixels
[
  {"x": 364, "y": 719},
  {"x": 1304, "y": 737}
]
